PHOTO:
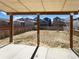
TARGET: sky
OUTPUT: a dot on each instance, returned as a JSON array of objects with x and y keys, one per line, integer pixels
[{"x": 5, "y": 16}]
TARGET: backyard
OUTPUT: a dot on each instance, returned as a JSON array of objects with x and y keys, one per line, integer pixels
[{"x": 48, "y": 38}]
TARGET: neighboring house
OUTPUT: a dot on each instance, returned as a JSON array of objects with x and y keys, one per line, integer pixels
[
  {"x": 43, "y": 23},
  {"x": 26, "y": 22},
  {"x": 48, "y": 20},
  {"x": 17, "y": 23},
  {"x": 3, "y": 22},
  {"x": 4, "y": 25},
  {"x": 76, "y": 23},
  {"x": 58, "y": 24}
]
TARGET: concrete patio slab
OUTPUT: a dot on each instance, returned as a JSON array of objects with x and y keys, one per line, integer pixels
[{"x": 18, "y": 51}]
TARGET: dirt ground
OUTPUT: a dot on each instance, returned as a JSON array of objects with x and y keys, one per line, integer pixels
[{"x": 48, "y": 38}]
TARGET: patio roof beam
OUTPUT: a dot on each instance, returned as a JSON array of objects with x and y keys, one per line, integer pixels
[{"x": 39, "y": 12}]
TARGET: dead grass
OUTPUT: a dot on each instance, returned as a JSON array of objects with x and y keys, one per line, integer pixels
[{"x": 48, "y": 38}]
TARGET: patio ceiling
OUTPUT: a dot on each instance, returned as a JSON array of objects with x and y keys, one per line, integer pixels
[{"x": 38, "y": 5}]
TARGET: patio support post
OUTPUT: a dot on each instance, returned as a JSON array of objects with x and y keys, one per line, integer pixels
[
  {"x": 71, "y": 30},
  {"x": 11, "y": 28},
  {"x": 38, "y": 29}
]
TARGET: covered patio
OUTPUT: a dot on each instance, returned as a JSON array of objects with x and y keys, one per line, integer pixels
[{"x": 38, "y": 7}]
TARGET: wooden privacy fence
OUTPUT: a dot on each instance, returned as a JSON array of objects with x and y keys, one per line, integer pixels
[{"x": 17, "y": 30}]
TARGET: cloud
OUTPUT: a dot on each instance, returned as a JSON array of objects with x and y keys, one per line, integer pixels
[
  {"x": 30, "y": 16},
  {"x": 3, "y": 13},
  {"x": 24, "y": 16},
  {"x": 76, "y": 16},
  {"x": 17, "y": 17}
]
